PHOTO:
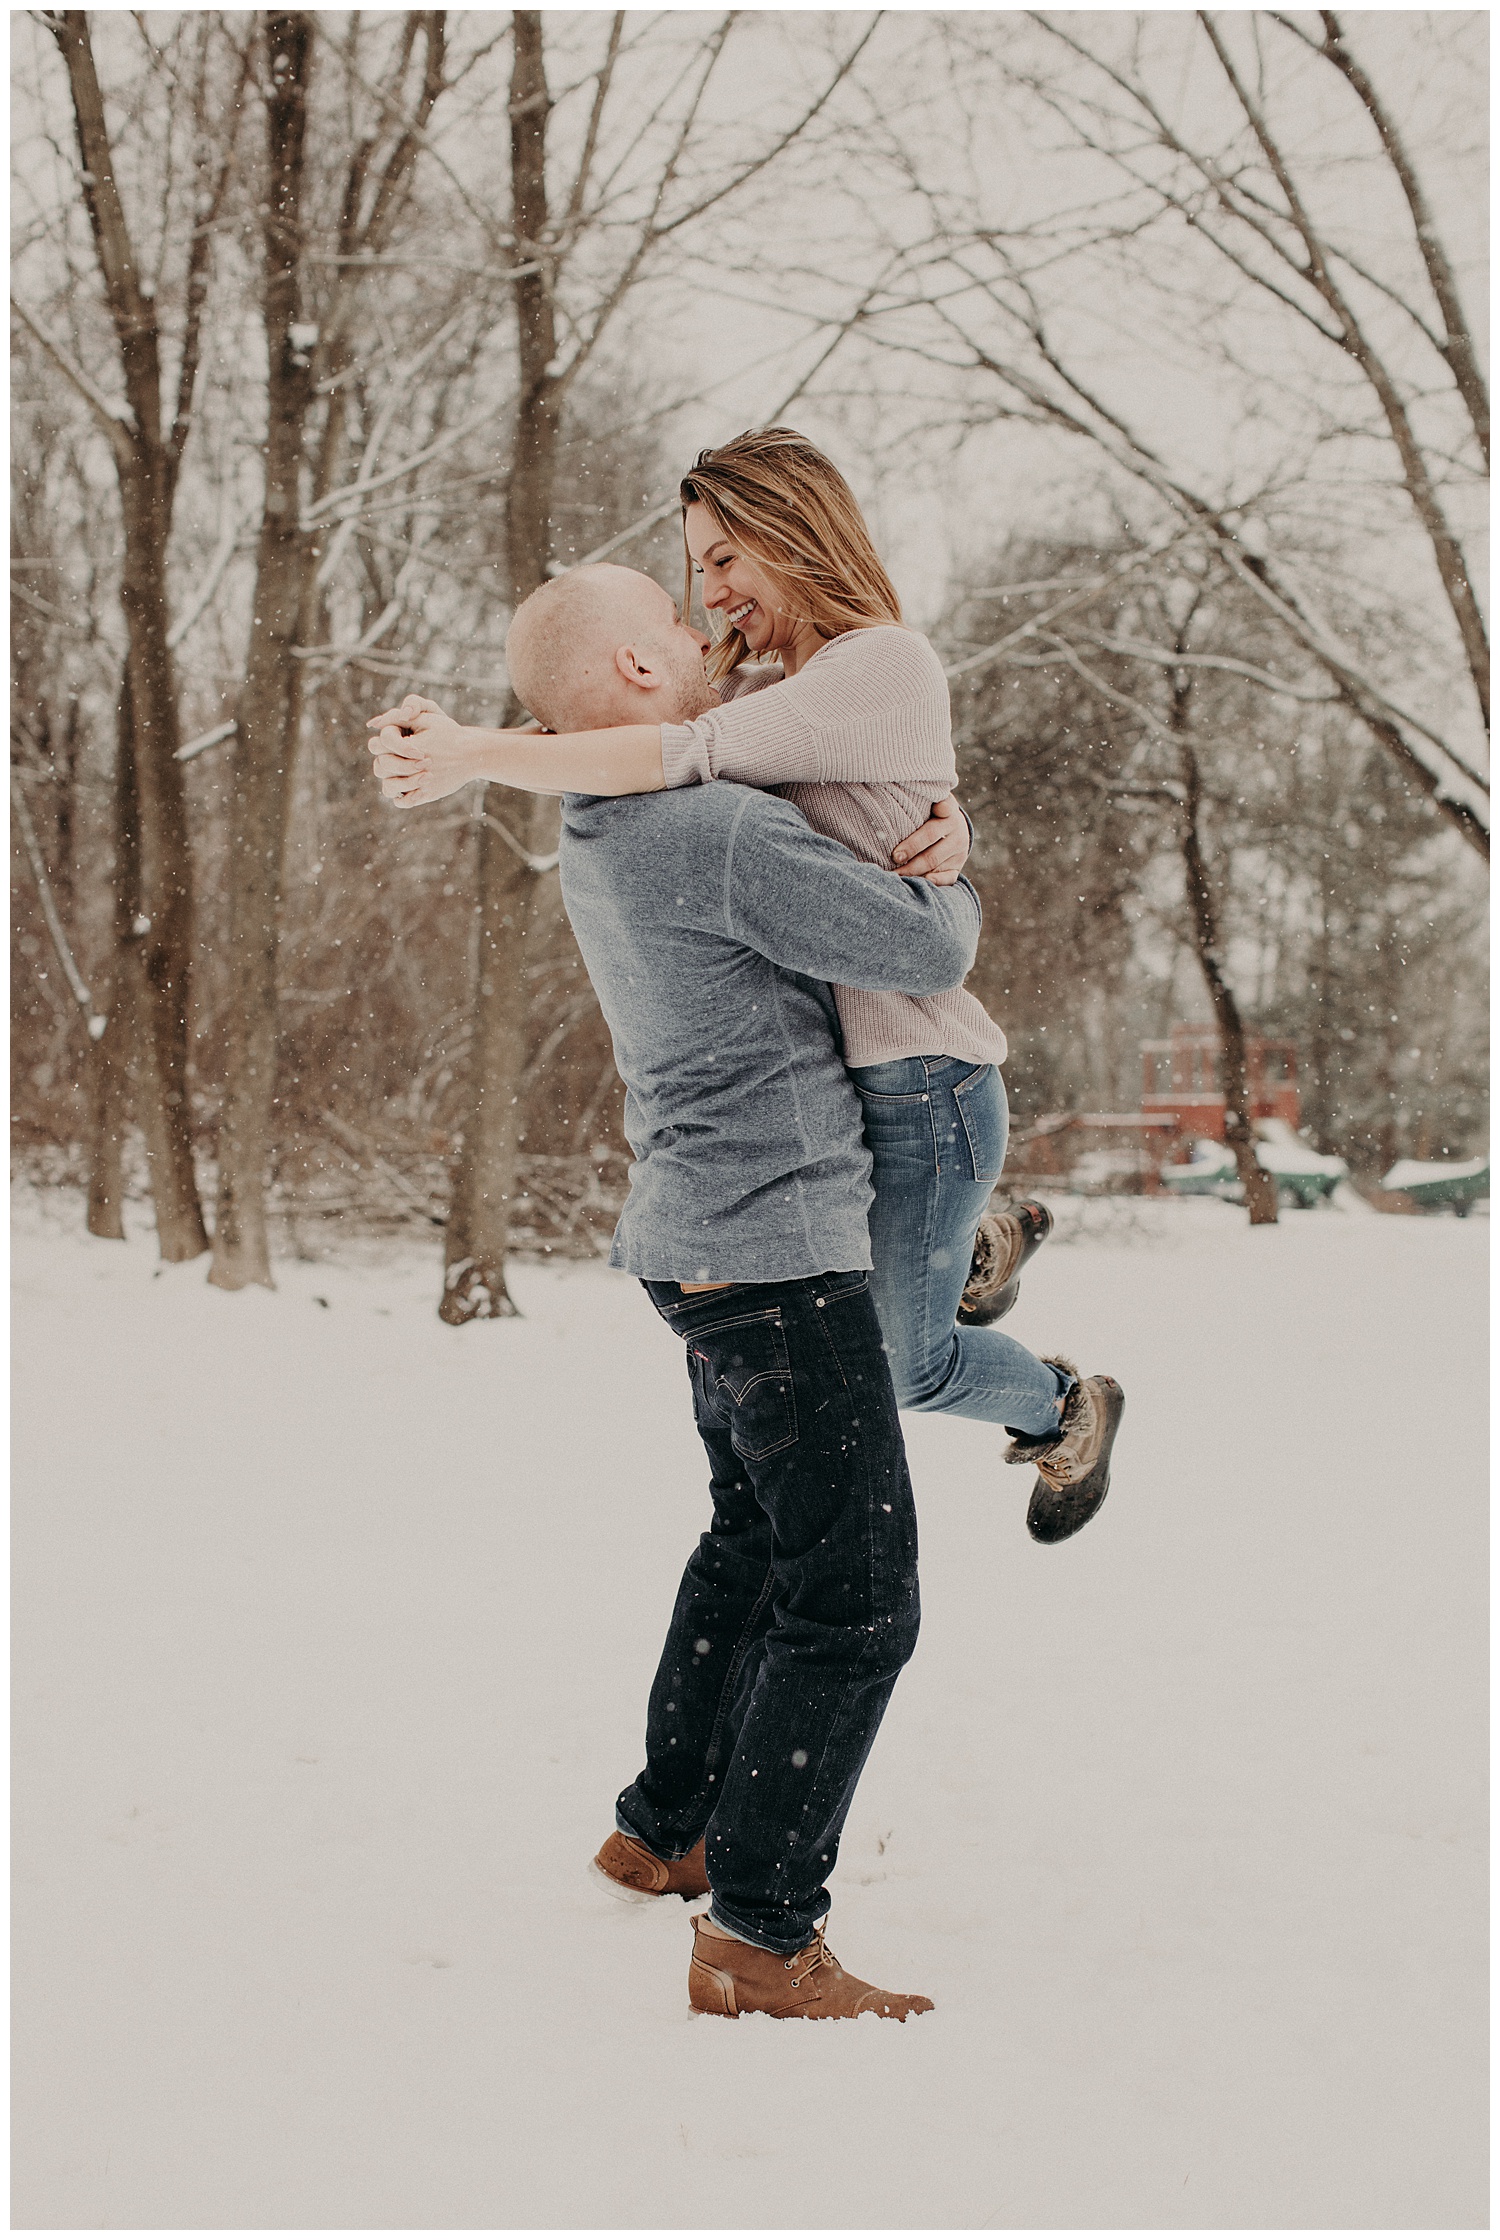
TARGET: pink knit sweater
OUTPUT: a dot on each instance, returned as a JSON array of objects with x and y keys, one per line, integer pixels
[{"x": 861, "y": 740}]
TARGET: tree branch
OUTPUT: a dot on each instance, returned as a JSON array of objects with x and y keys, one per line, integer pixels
[
  {"x": 117, "y": 420},
  {"x": 442, "y": 443},
  {"x": 1081, "y": 595},
  {"x": 1458, "y": 343},
  {"x": 792, "y": 133},
  {"x": 591, "y": 136},
  {"x": 1164, "y": 658},
  {"x": 205, "y": 223},
  {"x": 1451, "y": 564},
  {"x": 132, "y": 310},
  {"x": 38, "y": 865}
]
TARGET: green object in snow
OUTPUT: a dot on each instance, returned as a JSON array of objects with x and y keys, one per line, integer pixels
[{"x": 1441, "y": 1182}]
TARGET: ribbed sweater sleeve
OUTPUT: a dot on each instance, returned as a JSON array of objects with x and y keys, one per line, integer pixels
[{"x": 869, "y": 707}]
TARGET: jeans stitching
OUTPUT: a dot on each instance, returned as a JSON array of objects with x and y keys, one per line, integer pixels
[
  {"x": 747, "y": 1634},
  {"x": 869, "y": 1651},
  {"x": 732, "y": 1322},
  {"x": 781, "y": 1375},
  {"x": 929, "y": 1224},
  {"x": 959, "y": 1088},
  {"x": 736, "y": 1661},
  {"x": 824, "y": 1326},
  {"x": 963, "y": 1121}
]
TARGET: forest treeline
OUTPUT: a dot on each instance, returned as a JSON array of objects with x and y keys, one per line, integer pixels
[{"x": 335, "y": 334}]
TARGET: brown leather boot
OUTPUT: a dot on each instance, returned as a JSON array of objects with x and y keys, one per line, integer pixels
[
  {"x": 1073, "y": 1465},
  {"x": 634, "y": 1872},
  {"x": 1004, "y": 1244},
  {"x": 726, "y": 1976}
]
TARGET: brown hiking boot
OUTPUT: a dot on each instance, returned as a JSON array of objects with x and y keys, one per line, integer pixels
[
  {"x": 726, "y": 1976},
  {"x": 633, "y": 1872},
  {"x": 1072, "y": 1465},
  {"x": 1002, "y": 1247}
]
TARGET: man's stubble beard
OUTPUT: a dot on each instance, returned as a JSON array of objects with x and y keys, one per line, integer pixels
[{"x": 689, "y": 692}]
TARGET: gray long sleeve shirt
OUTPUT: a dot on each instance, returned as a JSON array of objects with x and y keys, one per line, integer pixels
[{"x": 710, "y": 920}]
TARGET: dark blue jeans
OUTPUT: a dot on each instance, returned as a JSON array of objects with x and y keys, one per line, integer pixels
[{"x": 797, "y": 1609}]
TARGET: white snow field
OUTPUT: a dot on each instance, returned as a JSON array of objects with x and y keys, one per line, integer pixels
[{"x": 333, "y": 1633}]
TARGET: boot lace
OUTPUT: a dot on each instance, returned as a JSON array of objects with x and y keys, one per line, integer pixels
[{"x": 812, "y": 1957}]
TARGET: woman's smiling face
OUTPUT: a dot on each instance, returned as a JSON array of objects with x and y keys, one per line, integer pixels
[{"x": 735, "y": 586}]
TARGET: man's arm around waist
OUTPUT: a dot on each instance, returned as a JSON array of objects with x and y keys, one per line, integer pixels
[{"x": 805, "y": 902}]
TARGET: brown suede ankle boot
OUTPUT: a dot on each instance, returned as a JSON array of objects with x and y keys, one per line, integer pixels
[
  {"x": 726, "y": 1976},
  {"x": 634, "y": 1872}
]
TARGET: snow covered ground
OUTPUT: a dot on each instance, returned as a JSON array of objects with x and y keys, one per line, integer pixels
[{"x": 333, "y": 1631}]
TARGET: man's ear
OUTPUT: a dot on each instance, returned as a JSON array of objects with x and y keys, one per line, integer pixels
[{"x": 636, "y": 669}]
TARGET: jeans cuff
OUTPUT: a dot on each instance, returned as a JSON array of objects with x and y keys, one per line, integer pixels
[
  {"x": 668, "y": 1858},
  {"x": 726, "y": 1920}
]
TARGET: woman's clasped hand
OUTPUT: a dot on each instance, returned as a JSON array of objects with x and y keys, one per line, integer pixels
[{"x": 420, "y": 753}]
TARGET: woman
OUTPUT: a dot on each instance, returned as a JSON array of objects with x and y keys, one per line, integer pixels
[{"x": 852, "y": 724}]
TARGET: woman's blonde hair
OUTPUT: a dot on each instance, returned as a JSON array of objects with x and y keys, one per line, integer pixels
[{"x": 789, "y": 509}]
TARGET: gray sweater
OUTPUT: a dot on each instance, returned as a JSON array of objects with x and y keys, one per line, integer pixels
[{"x": 710, "y": 920}]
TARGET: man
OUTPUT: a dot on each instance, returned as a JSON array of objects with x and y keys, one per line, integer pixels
[{"x": 711, "y": 919}]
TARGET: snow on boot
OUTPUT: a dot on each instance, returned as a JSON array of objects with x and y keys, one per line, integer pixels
[
  {"x": 727, "y": 1976},
  {"x": 1072, "y": 1464},
  {"x": 1002, "y": 1248},
  {"x": 633, "y": 1872}
]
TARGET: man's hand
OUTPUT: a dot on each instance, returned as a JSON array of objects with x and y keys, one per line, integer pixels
[
  {"x": 420, "y": 753},
  {"x": 937, "y": 850}
]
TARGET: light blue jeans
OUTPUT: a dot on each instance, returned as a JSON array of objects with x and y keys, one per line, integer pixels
[{"x": 937, "y": 1130}]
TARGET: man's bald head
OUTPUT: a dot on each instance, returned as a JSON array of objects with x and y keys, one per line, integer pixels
[{"x": 601, "y": 646}]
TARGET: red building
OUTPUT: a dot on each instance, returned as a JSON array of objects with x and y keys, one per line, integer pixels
[
  {"x": 1182, "y": 1098},
  {"x": 1184, "y": 1078}
]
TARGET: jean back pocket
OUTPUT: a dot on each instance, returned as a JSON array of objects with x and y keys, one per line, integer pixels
[
  {"x": 984, "y": 1118},
  {"x": 744, "y": 1364}
]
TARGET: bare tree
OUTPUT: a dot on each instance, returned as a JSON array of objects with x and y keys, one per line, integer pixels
[
  {"x": 302, "y": 357},
  {"x": 994, "y": 305},
  {"x": 1062, "y": 636},
  {"x": 1457, "y": 340},
  {"x": 1204, "y": 917},
  {"x": 511, "y": 898},
  {"x": 147, "y": 457},
  {"x": 1299, "y": 247},
  {"x": 270, "y": 703}
]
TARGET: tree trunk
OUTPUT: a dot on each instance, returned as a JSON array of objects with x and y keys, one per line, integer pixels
[
  {"x": 515, "y": 903},
  {"x": 109, "y": 1113},
  {"x": 110, "y": 1055},
  {"x": 1260, "y": 1188},
  {"x": 165, "y": 919},
  {"x": 270, "y": 705},
  {"x": 1319, "y": 1096},
  {"x": 164, "y": 928}
]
